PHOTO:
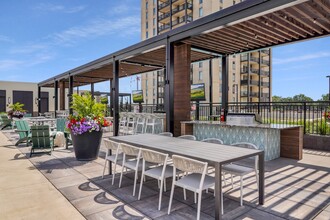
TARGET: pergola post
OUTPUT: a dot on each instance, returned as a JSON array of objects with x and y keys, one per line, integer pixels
[
  {"x": 111, "y": 99},
  {"x": 62, "y": 95},
  {"x": 70, "y": 94},
  {"x": 92, "y": 90},
  {"x": 39, "y": 99},
  {"x": 115, "y": 96},
  {"x": 224, "y": 72},
  {"x": 55, "y": 97},
  {"x": 211, "y": 87},
  {"x": 169, "y": 87}
]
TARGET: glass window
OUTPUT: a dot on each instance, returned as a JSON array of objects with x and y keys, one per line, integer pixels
[
  {"x": 234, "y": 65},
  {"x": 154, "y": 92},
  {"x": 146, "y": 94},
  {"x": 200, "y": 1},
  {"x": 154, "y": 82},
  {"x": 200, "y": 11},
  {"x": 146, "y": 5},
  {"x": 200, "y": 64},
  {"x": 221, "y": 1},
  {"x": 146, "y": 83},
  {"x": 154, "y": 21},
  {"x": 154, "y": 32},
  {"x": 200, "y": 75},
  {"x": 154, "y": 11},
  {"x": 147, "y": 36},
  {"x": 234, "y": 76},
  {"x": 220, "y": 88},
  {"x": 146, "y": 15},
  {"x": 147, "y": 25},
  {"x": 234, "y": 88}
]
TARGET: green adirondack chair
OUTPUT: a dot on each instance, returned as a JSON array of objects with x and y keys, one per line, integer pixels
[
  {"x": 24, "y": 132},
  {"x": 41, "y": 139},
  {"x": 60, "y": 126},
  {"x": 5, "y": 122}
]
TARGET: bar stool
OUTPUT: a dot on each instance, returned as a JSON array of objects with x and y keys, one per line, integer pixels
[{"x": 140, "y": 124}]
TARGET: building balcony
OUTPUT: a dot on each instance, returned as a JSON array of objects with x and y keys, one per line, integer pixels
[
  {"x": 245, "y": 70},
  {"x": 163, "y": 16},
  {"x": 266, "y": 52},
  {"x": 164, "y": 27},
  {"x": 264, "y": 73},
  {"x": 160, "y": 95},
  {"x": 163, "y": 5},
  {"x": 182, "y": 20},
  {"x": 245, "y": 58},
  {"x": 265, "y": 95},
  {"x": 161, "y": 84},
  {"x": 252, "y": 94},
  {"x": 265, "y": 84},
  {"x": 265, "y": 62},
  {"x": 246, "y": 82},
  {"x": 182, "y": 8}
]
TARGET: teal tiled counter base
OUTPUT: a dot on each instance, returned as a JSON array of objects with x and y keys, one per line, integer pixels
[{"x": 266, "y": 139}]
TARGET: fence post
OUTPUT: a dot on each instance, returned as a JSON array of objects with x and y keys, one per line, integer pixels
[
  {"x": 197, "y": 111},
  {"x": 305, "y": 110}
]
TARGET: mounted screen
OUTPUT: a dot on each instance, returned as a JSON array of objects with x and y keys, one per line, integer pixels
[
  {"x": 137, "y": 96},
  {"x": 197, "y": 92}
]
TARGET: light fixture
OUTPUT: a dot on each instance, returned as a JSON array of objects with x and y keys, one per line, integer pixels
[
  {"x": 247, "y": 44},
  {"x": 255, "y": 36},
  {"x": 314, "y": 20},
  {"x": 9, "y": 100}
]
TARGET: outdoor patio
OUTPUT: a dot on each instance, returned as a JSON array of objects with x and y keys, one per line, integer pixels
[{"x": 293, "y": 189}]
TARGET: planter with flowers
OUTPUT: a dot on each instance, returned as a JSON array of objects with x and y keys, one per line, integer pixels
[
  {"x": 85, "y": 126},
  {"x": 16, "y": 110}
]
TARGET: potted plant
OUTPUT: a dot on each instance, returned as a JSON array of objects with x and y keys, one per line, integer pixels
[
  {"x": 16, "y": 110},
  {"x": 85, "y": 126}
]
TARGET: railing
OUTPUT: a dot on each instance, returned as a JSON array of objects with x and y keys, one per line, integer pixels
[
  {"x": 163, "y": 5},
  {"x": 312, "y": 115}
]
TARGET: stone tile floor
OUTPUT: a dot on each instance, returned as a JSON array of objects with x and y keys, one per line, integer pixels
[{"x": 294, "y": 189}]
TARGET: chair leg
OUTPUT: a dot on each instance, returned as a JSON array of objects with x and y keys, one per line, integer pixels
[
  {"x": 114, "y": 173},
  {"x": 195, "y": 197},
  {"x": 171, "y": 197},
  {"x": 199, "y": 205},
  {"x": 160, "y": 193},
  {"x": 105, "y": 164},
  {"x": 257, "y": 178},
  {"x": 164, "y": 184},
  {"x": 184, "y": 194},
  {"x": 121, "y": 175},
  {"x": 221, "y": 194},
  {"x": 141, "y": 183},
  {"x": 135, "y": 179},
  {"x": 232, "y": 182}
]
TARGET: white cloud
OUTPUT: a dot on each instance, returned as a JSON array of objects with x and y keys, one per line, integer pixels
[
  {"x": 31, "y": 48},
  {"x": 101, "y": 27},
  {"x": 302, "y": 58},
  {"x": 4, "y": 38},
  {"x": 59, "y": 8},
  {"x": 9, "y": 64},
  {"x": 123, "y": 9}
]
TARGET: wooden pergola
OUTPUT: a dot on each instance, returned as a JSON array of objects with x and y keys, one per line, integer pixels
[{"x": 247, "y": 26}]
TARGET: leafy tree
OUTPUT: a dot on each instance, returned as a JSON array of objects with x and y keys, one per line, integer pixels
[
  {"x": 325, "y": 97},
  {"x": 301, "y": 98},
  {"x": 104, "y": 100},
  {"x": 276, "y": 98},
  {"x": 84, "y": 106}
]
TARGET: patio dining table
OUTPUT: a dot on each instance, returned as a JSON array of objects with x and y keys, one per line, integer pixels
[{"x": 215, "y": 154}]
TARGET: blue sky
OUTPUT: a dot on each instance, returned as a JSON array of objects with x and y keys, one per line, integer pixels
[{"x": 40, "y": 39}]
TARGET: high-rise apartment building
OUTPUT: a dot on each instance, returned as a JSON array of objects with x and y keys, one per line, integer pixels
[{"x": 249, "y": 74}]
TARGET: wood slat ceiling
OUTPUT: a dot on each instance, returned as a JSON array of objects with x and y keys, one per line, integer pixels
[{"x": 306, "y": 20}]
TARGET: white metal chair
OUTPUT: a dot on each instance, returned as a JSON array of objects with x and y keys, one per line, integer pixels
[
  {"x": 131, "y": 123},
  {"x": 188, "y": 137},
  {"x": 116, "y": 157},
  {"x": 159, "y": 172},
  {"x": 195, "y": 181},
  {"x": 240, "y": 170},
  {"x": 168, "y": 134},
  {"x": 133, "y": 163},
  {"x": 213, "y": 140},
  {"x": 140, "y": 124},
  {"x": 122, "y": 123},
  {"x": 151, "y": 122}
]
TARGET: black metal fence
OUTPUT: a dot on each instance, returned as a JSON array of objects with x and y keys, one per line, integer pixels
[{"x": 314, "y": 116}]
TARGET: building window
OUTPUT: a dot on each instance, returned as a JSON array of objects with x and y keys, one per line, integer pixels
[
  {"x": 153, "y": 82},
  {"x": 221, "y": 1},
  {"x": 220, "y": 88},
  {"x": 147, "y": 93},
  {"x": 154, "y": 92},
  {"x": 234, "y": 88},
  {"x": 154, "y": 32},
  {"x": 200, "y": 11},
  {"x": 234, "y": 76},
  {"x": 153, "y": 101},
  {"x": 234, "y": 65},
  {"x": 147, "y": 25},
  {"x": 154, "y": 11},
  {"x": 234, "y": 2},
  {"x": 200, "y": 75},
  {"x": 220, "y": 8},
  {"x": 147, "y": 36},
  {"x": 154, "y": 21},
  {"x": 146, "y": 83},
  {"x": 147, "y": 15},
  {"x": 154, "y": 2},
  {"x": 200, "y": 64},
  {"x": 200, "y": 1},
  {"x": 146, "y": 5}
]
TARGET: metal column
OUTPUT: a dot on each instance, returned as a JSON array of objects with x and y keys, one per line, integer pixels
[
  {"x": 211, "y": 87},
  {"x": 224, "y": 72},
  {"x": 111, "y": 99},
  {"x": 39, "y": 99},
  {"x": 115, "y": 96},
  {"x": 55, "y": 97},
  {"x": 169, "y": 87},
  {"x": 92, "y": 90},
  {"x": 70, "y": 94}
]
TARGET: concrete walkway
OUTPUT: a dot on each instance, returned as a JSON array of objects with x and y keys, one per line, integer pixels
[{"x": 25, "y": 193}]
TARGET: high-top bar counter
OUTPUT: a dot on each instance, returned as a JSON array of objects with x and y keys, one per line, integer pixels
[{"x": 275, "y": 139}]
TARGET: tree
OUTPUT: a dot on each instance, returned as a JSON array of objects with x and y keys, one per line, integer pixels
[
  {"x": 301, "y": 98},
  {"x": 276, "y": 98},
  {"x": 325, "y": 97}
]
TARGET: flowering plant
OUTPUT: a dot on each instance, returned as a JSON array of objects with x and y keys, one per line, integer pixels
[
  {"x": 16, "y": 110},
  {"x": 88, "y": 115}
]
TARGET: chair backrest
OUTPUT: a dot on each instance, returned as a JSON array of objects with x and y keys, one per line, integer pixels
[
  {"x": 22, "y": 126},
  {"x": 188, "y": 137},
  {"x": 130, "y": 150},
  {"x": 168, "y": 134},
  {"x": 111, "y": 145},
  {"x": 249, "y": 146},
  {"x": 189, "y": 165},
  {"x": 154, "y": 156},
  {"x": 28, "y": 115},
  {"x": 60, "y": 124},
  {"x": 213, "y": 140},
  {"x": 40, "y": 136},
  {"x": 5, "y": 119}
]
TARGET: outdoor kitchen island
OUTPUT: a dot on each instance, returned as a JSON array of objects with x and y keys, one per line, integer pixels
[{"x": 277, "y": 140}]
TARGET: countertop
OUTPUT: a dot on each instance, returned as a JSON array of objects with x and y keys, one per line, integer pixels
[{"x": 266, "y": 126}]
